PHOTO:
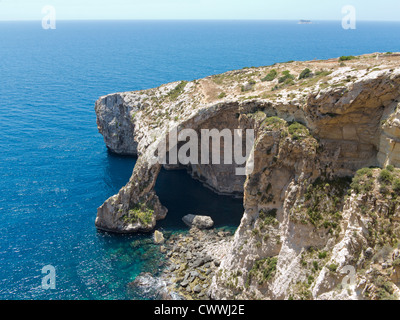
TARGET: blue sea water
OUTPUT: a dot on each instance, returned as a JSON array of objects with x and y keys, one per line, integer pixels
[{"x": 54, "y": 167}]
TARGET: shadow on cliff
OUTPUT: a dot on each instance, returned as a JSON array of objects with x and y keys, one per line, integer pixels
[
  {"x": 183, "y": 195},
  {"x": 178, "y": 192}
]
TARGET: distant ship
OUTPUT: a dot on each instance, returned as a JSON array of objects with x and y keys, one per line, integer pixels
[{"x": 305, "y": 22}]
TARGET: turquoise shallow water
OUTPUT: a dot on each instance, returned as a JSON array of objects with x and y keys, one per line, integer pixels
[{"x": 55, "y": 170}]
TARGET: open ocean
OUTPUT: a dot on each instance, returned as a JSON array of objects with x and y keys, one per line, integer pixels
[{"x": 54, "y": 167}]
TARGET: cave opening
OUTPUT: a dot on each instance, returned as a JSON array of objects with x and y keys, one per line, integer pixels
[
  {"x": 208, "y": 188},
  {"x": 183, "y": 195}
]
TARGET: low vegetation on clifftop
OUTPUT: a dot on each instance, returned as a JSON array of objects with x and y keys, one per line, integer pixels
[{"x": 322, "y": 205}]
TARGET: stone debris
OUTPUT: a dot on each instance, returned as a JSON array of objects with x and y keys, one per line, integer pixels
[{"x": 192, "y": 263}]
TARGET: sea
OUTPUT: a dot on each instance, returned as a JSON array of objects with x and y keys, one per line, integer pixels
[{"x": 55, "y": 170}]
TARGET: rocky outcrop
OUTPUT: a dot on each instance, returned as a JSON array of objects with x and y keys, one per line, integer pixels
[
  {"x": 114, "y": 112},
  {"x": 158, "y": 237},
  {"x": 200, "y": 222},
  {"x": 307, "y": 217}
]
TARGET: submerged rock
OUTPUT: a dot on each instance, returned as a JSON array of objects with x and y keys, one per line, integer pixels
[{"x": 200, "y": 222}]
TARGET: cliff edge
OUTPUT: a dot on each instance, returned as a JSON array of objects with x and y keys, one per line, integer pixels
[{"x": 322, "y": 201}]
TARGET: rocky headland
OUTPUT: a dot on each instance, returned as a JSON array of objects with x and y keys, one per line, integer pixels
[{"x": 322, "y": 203}]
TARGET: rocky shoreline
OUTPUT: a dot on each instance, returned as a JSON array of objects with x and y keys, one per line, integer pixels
[{"x": 192, "y": 260}]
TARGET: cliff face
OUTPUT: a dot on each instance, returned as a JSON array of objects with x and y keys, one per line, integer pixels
[
  {"x": 115, "y": 123},
  {"x": 309, "y": 218}
]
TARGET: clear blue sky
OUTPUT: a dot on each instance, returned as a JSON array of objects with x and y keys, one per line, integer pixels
[{"x": 200, "y": 9}]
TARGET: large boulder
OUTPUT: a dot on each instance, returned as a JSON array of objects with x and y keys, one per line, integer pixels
[{"x": 200, "y": 222}]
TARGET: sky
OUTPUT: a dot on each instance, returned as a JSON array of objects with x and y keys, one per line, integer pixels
[{"x": 383, "y": 10}]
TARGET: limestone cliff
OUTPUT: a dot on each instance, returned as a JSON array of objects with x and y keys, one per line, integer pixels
[{"x": 311, "y": 215}]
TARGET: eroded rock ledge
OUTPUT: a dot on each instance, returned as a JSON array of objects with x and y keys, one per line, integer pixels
[{"x": 314, "y": 130}]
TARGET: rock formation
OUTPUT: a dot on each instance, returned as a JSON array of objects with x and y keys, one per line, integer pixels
[
  {"x": 158, "y": 237},
  {"x": 325, "y": 186},
  {"x": 200, "y": 222}
]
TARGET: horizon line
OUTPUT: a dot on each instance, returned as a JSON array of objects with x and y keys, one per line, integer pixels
[{"x": 181, "y": 19}]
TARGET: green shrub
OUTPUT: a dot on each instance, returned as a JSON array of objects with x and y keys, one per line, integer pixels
[
  {"x": 289, "y": 82},
  {"x": 322, "y": 255},
  {"x": 273, "y": 122},
  {"x": 383, "y": 189},
  {"x": 270, "y": 76},
  {"x": 363, "y": 180},
  {"x": 385, "y": 291},
  {"x": 324, "y": 199},
  {"x": 347, "y": 58},
  {"x": 255, "y": 232},
  {"x": 270, "y": 268},
  {"x": 384, "y": 295},
  {"x": 385, "y": 176},
  {"x": 222, "y": 95},
  {"x": 390, "y": 168},
  {"x": 177, "y": 91},
  {"x": 396, "y": 185},
  {"x": 263, "y": 270},
  {"x": 306, "y": 73},
  {"x": 332, "y": 267},
  {"x": 365, "y": 171},
  {"x": 323, "y": 73},
  {"x": 285, "y": 76},
  {"x": 140, "y": 214},
  {"x": 269, "y": 217},
  {"x": 297, "y": 130}
]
